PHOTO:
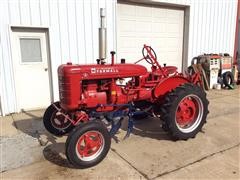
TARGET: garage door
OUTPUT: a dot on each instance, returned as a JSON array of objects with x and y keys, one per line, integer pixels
[{"x": 159, "y": 27}]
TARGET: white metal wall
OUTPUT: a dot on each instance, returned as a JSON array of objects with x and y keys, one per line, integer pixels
[
  {"x": 212, "y": 25},
  {"x": 73, "y": 31}
]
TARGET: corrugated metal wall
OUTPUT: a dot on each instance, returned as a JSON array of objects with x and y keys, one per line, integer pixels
[
  {"x": 212, "y": 25},
  {"x": 73, "y": 31}
]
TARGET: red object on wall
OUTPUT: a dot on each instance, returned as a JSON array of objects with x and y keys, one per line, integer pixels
[{"x": 236, "y": 35}]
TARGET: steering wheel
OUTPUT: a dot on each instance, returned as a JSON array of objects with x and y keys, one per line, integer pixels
[{"x": 149, "y": 55}]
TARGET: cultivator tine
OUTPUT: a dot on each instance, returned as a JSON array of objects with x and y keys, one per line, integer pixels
[
  {"x": 130, "y": 128},
  {"x": 116, "y": 124}
]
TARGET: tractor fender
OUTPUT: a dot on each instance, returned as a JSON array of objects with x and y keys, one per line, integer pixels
[{"x": 167, "y": 85}]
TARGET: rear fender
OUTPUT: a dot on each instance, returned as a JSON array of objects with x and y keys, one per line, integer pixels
[{"x": 167, "y": 85}]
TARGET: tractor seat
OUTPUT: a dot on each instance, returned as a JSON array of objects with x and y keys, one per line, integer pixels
[
  {"x": 146, "y": 79},
  {"x": 169, "y": 69}
]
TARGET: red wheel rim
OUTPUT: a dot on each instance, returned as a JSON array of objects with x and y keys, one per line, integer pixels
[
  {"x": 59, "y": 121},
  {"x": 189, "y": 113},
  {"x": 90, "y": 145}
]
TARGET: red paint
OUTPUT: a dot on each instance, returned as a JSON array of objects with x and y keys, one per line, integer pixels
[
  {"x": 89, "y": 143},
  {"x": 168, "y": 84},
  {"x": 71, "y": 78},
  {"x": 154, "y": 60},
  {"x": 215, "y": 56},
  {"x": 186, "y": 112},
  {"x": 81, "y": 116},
  {"x": 236, "y": 35},
  {"x": 226, "y": 66},
  {"x": 83, "y": 87}
]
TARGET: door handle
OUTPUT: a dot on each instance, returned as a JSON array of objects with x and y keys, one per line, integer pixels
[{"x": 45, "y": 69}]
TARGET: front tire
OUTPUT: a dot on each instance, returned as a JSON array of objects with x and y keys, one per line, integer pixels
[
  {"x": 185, "y": 111},
  {"x": 88, "y": 144},
  {"x": 55, "y": 122}
]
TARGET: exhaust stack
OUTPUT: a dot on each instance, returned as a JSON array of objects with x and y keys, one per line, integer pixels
[{"x": 102, "y": 31}]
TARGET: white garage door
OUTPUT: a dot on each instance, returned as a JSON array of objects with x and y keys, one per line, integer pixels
[{"x": 161, "y": 28}]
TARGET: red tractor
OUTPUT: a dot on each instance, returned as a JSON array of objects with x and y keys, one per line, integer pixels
[{"x": 94, "y": 96}]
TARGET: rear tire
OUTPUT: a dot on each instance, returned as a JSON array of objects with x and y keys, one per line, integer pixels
[
  {"x": 88, "y": 144},
  {"x": 185, "y": 111},
  {"x": 54, "y": 122},
  {"x": 228, "y": 79}
]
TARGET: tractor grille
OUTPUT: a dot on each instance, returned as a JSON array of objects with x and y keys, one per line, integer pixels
[{"x": 64, "y": 89}]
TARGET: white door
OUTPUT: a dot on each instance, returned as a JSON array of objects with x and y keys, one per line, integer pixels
[
  {"x": 161, "y": 28},
  {"x": 31, "y": 70}
]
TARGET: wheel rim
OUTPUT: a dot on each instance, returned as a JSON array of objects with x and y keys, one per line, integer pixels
[
  {"x": 59, "y": 121},
  {"x": 189, "y": 113},
  {"x": 90, "y": 145}
]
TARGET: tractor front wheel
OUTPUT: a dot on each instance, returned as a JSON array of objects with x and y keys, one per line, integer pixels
[
  {"x": 55, "y": 122},
  {"x": 185, "y": 111},
  {"x": 88, "y": 144}
]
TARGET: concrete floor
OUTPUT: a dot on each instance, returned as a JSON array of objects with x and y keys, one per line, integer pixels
[{"x": 29, "y": 152}]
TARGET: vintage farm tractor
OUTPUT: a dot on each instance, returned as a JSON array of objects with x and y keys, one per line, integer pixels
[{"x": 94, "y": 96}]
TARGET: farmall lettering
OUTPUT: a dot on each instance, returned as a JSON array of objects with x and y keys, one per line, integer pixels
[{"x": 103, "y": 70}]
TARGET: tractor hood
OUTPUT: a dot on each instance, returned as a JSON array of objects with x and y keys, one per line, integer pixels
[{"x": 97, "y": 71}]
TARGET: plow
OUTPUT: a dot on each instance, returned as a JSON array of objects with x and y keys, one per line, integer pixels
[{"x": 94, "y": 100}]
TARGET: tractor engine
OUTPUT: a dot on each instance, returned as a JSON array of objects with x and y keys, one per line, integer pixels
[{"x": 97, "y": 86}]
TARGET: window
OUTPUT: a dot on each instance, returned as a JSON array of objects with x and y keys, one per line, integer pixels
[{"x": 30, "y": 50}]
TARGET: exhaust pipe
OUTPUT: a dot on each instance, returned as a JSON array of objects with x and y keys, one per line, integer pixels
[{"x": 102, "y": 31}]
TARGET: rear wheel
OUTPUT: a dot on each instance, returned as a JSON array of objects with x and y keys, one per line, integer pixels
[
  {"x": 185, "y": 111},
  {"x": 55, "y": 122},
  {"x": 228, "y": 79},
  {"x": 88, "y": 144}
]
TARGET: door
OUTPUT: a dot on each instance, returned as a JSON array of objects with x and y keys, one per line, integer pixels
[
  {"x": 30, "y": 60},
  {"x": 159, "y": 27}
]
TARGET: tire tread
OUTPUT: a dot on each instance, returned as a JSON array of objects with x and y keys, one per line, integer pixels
[{"x": 166, "y": 110}]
